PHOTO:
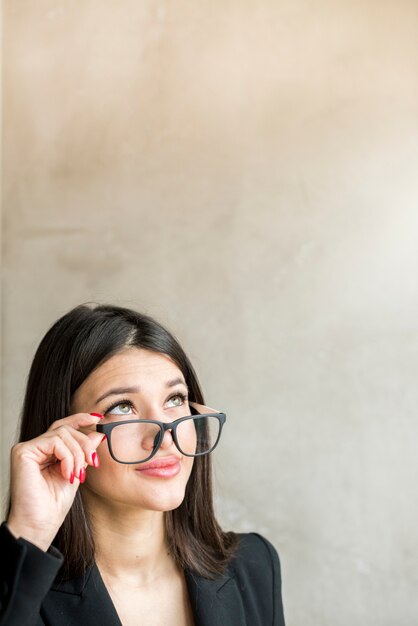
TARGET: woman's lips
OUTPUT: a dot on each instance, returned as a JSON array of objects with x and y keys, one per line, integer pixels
[{"x": 164, "y": 467}]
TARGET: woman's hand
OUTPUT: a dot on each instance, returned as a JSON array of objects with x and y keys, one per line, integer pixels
[{"x": 45, "y": 475}]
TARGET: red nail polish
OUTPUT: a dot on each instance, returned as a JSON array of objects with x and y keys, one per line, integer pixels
[
  {"x": 97, "y": 415},
  {"x": 72, "y": 478},
  {"x": 82, "y": 476},
  {"x": 104, "y": 437},
  {"x": 95, "y": 459}
]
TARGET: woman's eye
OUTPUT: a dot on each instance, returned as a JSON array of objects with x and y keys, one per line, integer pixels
[
  {"x": 120, "y": 409},
  {"x": 176, "y": 401}
]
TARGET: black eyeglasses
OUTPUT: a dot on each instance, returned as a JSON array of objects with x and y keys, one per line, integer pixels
[{"x": 137, "y": 441}]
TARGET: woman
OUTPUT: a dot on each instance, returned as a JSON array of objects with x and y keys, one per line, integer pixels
[{"x": 111, "y": 518}]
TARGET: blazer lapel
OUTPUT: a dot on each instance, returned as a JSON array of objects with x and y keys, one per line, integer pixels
[
  {"x": 215, "y": 601},
  {"x": 85, "y": 601},
  {"x": 82, "y": 601}
]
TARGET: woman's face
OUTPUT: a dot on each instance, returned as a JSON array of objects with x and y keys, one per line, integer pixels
[{"x": 138, "y": 384}]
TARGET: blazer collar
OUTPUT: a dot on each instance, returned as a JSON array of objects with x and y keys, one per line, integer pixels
[
  {"x": 85, "y": 598},
  {"x": 213, "y": 601}
]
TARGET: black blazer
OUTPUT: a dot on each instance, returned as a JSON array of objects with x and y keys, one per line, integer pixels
[{"x": 247, "y": 594}]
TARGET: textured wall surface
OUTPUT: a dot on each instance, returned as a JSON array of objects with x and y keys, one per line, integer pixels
[{"x": 245, "y": 171}]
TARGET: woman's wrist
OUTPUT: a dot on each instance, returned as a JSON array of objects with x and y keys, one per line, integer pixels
[{"x": 19, "y": 530}]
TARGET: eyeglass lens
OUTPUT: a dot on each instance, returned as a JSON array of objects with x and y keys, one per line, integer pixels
[{"x": 135, "y": 442}]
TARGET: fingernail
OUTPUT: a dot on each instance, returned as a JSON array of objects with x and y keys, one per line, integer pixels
[
  {"x": 82, "y": 476},
  {"x": 72, "y": 478},
  {"x": 97, "y": 415},
  {"x": 104, "y": 437},
  {"x": 95, "y": 459}
]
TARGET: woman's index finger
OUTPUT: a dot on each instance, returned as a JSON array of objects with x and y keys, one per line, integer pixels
[{"x": 78, "y": 420}]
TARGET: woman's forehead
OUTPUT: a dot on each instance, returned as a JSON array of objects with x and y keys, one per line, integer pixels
[{"x": 135, "y": 368}]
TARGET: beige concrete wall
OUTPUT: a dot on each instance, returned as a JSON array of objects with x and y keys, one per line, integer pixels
[{"x": 246, "y": 171}]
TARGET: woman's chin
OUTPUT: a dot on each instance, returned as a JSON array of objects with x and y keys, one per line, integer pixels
[{"x": 165, "y": 502}]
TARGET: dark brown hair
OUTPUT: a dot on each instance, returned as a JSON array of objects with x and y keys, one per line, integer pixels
[{"x": 76, "y": 345}]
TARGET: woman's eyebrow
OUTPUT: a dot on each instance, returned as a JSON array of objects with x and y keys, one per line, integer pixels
[
  {"x": 117, "y": 391},
  {"x": 176, "y": 381},
  {"x": 120, "y": 391}
]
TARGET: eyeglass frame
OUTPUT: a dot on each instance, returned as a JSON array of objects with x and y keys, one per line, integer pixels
[{"x": 106, "y": 429}]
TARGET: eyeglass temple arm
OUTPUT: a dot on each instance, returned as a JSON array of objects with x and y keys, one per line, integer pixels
[{"x": 202, "y": 408}]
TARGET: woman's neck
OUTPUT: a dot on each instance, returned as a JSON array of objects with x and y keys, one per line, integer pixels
[{"x": 130, "y": 542}]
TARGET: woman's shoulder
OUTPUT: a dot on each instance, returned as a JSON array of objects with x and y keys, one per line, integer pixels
[
  {"x": 255, "y": 568},
  {"x": 254, "y": 555},
  {"x": 253, "y": 545}
]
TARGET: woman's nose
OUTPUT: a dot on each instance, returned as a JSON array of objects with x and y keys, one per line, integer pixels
[{"x": 167, "y": 440}]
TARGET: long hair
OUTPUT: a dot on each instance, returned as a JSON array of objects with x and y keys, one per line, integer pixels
[{"x": 76, "y": 345}]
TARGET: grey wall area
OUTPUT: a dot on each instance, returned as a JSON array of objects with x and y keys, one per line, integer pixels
[{"x": 247, "y": 173}]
